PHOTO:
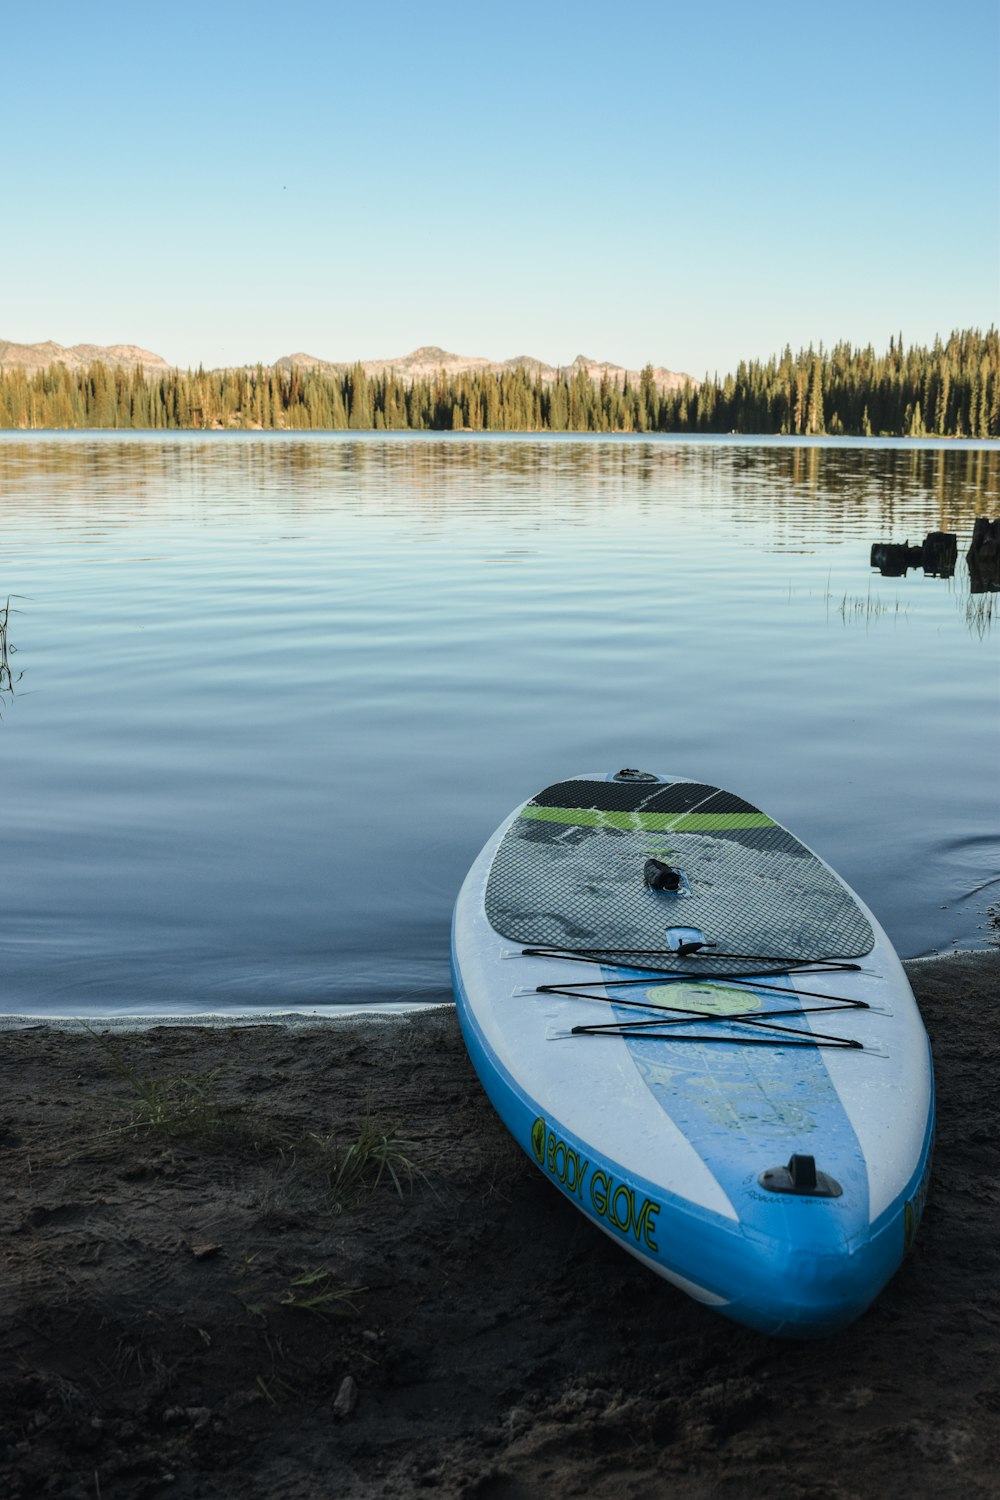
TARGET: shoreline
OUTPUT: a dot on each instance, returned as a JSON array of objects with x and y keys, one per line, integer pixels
[
  {"x": 504, "y": 435},
  {"x": 220, "y": 1020},
  {"x": 340, "y": 1015},
  {"x": 307, "y": 1259}
]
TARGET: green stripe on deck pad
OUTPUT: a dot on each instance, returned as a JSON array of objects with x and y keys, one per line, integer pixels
[{"x": 629, "y": 822}]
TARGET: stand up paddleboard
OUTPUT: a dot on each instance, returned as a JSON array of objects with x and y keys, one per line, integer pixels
[{"x": 704, "y": 1039}]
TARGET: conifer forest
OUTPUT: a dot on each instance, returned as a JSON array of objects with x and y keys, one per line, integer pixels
[{"x": 951, "y": 389}]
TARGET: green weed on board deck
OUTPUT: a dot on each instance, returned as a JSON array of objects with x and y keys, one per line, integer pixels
[{"x": 615, "y": 1202}]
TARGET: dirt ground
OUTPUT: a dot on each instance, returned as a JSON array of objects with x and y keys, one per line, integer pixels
[{"x": 209, "y": 1291}]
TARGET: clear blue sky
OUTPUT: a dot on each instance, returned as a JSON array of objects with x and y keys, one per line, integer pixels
[{"x": 688, "y": 184}]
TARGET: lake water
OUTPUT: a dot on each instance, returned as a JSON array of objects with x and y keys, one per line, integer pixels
[{"x": 269, "y": 695}]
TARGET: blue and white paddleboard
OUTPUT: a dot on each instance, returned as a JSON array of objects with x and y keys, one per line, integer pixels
[{"x": 704, "y": 1039}]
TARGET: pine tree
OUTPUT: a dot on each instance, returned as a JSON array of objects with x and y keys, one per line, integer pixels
[
  {"x": 362, "y": 415},
  {"x": 816, "y": 422}
]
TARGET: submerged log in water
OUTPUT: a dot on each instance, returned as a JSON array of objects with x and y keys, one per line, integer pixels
[
  {"x": 940, "y": 553},
  {"x": 984, "y": 555},
  {"x": 894, "y": 558},
  {"x": 937, "y": 555}
]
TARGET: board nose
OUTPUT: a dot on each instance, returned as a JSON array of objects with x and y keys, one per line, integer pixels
[{"x": 811, "y": 1263}]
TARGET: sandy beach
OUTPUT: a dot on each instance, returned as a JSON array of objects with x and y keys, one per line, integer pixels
[{"x": 302, "y": 1262}]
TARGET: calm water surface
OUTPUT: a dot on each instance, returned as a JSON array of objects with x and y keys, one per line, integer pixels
[{"x": 268, "y": 696}]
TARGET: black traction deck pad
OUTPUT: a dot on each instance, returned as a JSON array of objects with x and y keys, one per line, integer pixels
[{"x": 568, "y": 874}]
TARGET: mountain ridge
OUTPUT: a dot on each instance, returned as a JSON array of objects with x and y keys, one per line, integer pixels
[
  {"x": 78, "y": 356},
  {"x": 420, "y": 364},
  {"x": 430, "y": 359}
]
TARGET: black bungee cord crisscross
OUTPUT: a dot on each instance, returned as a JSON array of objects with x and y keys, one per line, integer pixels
[{"x": 646, "y": 1029}]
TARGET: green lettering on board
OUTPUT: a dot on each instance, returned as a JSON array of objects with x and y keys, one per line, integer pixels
[{"x": 614, "y": 1202}]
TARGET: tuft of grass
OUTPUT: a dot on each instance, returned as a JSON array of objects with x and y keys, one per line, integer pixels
[
  {"x": 854, "y": 609},
  {"x": 318, "y": 1292},
  {"x": 8, "y": 677},
  {"x": 354, "y": 1170},
  {"x": 979, "y": 612},
  {"x": 276, "y": 1383},
  {"x": 185, "y": 1105}
]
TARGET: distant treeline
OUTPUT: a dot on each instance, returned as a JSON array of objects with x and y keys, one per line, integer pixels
[{"x": 949, "y": 390}]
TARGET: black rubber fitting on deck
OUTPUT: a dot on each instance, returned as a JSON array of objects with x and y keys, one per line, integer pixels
[
  {"x": 801, "y": 1177},
  {"x": 660, "y": 876}
]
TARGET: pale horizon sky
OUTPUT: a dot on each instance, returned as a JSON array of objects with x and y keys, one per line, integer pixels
[{"x": 233, "y": 183}]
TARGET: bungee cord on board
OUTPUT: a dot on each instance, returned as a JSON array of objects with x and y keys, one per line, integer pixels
[{"x": 646, "y": 1029}]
